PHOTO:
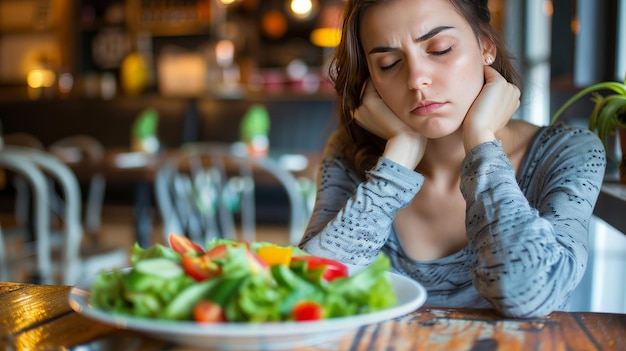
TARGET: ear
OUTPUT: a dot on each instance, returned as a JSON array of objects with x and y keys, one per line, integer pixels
[{"x": 488, "y": 48}]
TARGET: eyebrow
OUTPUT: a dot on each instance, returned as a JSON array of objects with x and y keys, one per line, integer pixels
[{"x": 432, "y": 33}]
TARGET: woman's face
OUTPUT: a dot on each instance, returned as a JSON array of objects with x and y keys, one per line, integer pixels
[{"x": 424, "y": 61}]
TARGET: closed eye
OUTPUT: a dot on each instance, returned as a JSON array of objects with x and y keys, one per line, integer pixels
[
  {"x": 441, "y": 53},
  {"x": 388, "y": 67}
]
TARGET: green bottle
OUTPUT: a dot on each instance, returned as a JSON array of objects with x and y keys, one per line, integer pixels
[
  {"x": 255, "y": 128},
  {"x": 144, "y": 131}
]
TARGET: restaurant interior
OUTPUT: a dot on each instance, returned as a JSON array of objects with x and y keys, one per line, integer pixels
[{"x": 147, "y": 78}]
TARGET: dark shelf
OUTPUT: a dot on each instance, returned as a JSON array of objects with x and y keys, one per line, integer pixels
[{"x": 611, "y": 205}]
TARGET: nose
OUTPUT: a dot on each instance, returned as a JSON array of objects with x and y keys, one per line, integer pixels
[{"x": 419, "y": 75}]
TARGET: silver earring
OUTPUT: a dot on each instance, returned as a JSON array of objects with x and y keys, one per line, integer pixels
[{"x": 489, "y": 60}]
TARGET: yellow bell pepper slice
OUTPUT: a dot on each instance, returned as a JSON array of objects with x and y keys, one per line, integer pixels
[{"x": 274, "y": 254}]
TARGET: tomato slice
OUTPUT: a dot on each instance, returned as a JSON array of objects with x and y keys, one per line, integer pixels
[
  {"x": 256, "y": 264},
  {"x": 218, "y": 251},
  {"x": 200, "y": 268},
  {"x": 207, "y": 311},
  {"x": 308, "y": 311},
  {"x": 183, "y": 245},
  {"x": 332, "y": 269}
]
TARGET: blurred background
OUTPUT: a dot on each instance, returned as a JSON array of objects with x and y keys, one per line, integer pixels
[{"x": 93, "y": 67}]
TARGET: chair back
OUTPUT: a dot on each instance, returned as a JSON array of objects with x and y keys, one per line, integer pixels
[
  {"x": 36, "y": 166},
  {"x": 78, "y": 148},
  {"x": 32, "y": 176},
  {"x": 23, "y": 198},
  {"x": 23, "y": 139},
  {"x": 90, "y": 152},
  {"x": 208, "y": 191}
]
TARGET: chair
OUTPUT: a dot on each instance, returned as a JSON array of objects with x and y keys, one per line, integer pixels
[
  {"x": 33, "y": 177},
  {"x": 23, "y": 198},
  {"x": 23, "y": 139},
  {"x": 58, "y": 255},
  {"x": 74, "y": 149},
  {"x": 210, "y": 187},
  {"x": 87, "y": 150}
]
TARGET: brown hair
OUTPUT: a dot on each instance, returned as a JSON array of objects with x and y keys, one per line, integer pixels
[{"x": 348, "y": 71}]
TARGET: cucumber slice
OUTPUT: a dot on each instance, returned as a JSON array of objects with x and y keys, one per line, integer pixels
[
  {"x": 181, "y": 307},
  {"x": 144, "y": 304},
  {"x": 225, "y": 289},
  {"x": 140, "y": 282},
  {"x": 159, "y": 267}
]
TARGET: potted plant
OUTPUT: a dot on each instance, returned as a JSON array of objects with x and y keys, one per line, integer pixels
[{"x": 607, "y": 117}]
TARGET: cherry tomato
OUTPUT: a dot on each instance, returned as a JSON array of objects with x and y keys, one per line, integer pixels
[
  {"x": 221, "y": 251},
  {"x": 183, "y": 245},
  {"x": 332, "y": 269},
  {"x": 207, "y": 311},
  {"x": 200, "y": 267},
  {"x": 218, "y": 251},
  {"x": 307, "y": 311}
]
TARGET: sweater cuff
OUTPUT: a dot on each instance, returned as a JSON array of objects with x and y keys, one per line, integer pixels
[
  {"x": 405, "y": 175},
  {"x": 485, "y": 159},
  {"x": 391, "y": 176},
  {"x": 488, "y": 150}
]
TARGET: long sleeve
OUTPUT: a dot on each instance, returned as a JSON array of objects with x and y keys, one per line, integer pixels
[
  {"x": 531, "y": 248},
  {"x": 352, "y": 217}
]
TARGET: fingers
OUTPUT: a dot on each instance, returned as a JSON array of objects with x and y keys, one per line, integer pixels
[
  {"x": 492, "y": 109},
  {"x": 375, "y": 116},
  {"x": 491, "y": 74},
  {"x": 494, "y": 77},
  {"x": 509, "y": 94}
]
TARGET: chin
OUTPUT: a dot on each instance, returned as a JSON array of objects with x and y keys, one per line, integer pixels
[{"x": 439, "y": 130}]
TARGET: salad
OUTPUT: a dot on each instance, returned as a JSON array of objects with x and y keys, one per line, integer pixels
[{"x": 238, "y": 281}]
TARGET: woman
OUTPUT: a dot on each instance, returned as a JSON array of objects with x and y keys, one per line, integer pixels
[{"x": 430, "y": 168}]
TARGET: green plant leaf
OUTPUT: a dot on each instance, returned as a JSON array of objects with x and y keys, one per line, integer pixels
[
  {"x": 593, "y": 118},
  {"x": 617, "y": 87},
  {"x": 603, "y": 119},
  {"x": 607, "y": 119},
  {"x": 618, "y": 104}
]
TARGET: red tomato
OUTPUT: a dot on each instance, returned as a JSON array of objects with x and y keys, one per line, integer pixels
[
  {"x": 256, "y": 264},
  {"x": 200, "y": 267},
  {"x": 207, "y": 311},
  {"x": 218, "y": 251},
  {"x": 308, "y": 311},
  {"x": 332, "y": 269},
  {"x": 183, "y": 244},
  {"x": 254, "y": 261}
]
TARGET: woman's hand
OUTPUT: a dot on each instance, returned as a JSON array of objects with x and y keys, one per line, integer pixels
[
  {"x": 375, "y": 116},
  {"x": 491, "y": 111},
  {"x": 404, "y": 145}
]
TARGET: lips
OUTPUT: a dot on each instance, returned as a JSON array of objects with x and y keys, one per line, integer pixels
[{"x": 427, "y": 107}]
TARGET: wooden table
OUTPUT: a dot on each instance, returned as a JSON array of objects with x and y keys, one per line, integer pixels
[{"x": 38, "y": 317}]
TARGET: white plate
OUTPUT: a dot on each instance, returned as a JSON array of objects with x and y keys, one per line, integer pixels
[{"x": 252, "y": 336}]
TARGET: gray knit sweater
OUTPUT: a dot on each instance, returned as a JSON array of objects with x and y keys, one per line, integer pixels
[{"x": 527, "y": 233}]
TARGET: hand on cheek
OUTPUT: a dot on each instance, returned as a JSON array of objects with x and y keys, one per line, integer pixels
[
  {"x": 404, "y": 145},
  {"x": 491, "y": 111},
  {"x": 375, "y": 116}
]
